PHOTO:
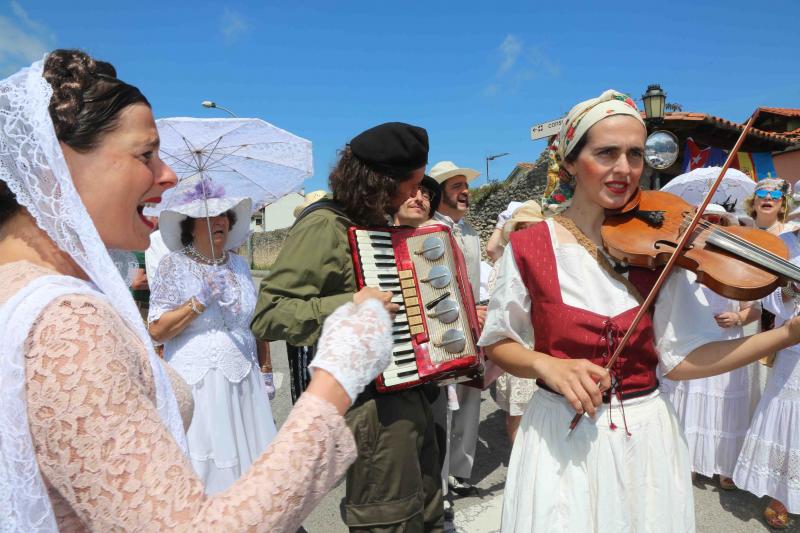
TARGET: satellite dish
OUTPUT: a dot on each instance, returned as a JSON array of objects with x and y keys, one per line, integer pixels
[{"x": 661, "y": 149}]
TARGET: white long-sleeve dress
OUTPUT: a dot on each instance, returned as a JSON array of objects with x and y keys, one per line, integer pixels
[
  {"x": 715, "y": 412},
  {"x": 597, "y": 478},
  {"x": 216, "y": 355},
  {"x": 769, "y": 463}
]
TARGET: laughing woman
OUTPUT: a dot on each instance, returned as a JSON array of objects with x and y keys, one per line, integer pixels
[
  {"x": 201, "y": 303},
  {"x": 556, "y": 310}
]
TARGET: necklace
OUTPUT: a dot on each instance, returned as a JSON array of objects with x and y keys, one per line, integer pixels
[
  {"x": 195, "y": 254},
  {"x": 597, "y": 254}
]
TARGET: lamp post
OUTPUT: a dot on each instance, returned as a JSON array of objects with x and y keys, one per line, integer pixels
[
  {"x": 492, "y": 158},
  {"x": 654, "y": 102},
  {"x": 213, "y": 105}
]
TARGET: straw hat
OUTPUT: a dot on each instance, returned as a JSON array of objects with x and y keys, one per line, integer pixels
[
  {"x": 527, "y": 212},
  {"x": 444, "y": 170},
  {"x": 310, "y": 198}
]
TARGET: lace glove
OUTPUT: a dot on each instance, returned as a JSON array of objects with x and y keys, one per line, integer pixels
[
  {"x": 214, "y": 285},
  {"x": 506, "y": 215},
  {"x": 269, "y": 384},
  {"x": 356, "y": 345}
]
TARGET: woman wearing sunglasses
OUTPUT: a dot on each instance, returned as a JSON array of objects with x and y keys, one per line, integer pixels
[{"x": 769, "y": 204}]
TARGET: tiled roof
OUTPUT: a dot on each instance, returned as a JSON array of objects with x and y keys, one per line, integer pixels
[
  {"x": 785, "y": 111},
  {"x": 525, "y": 165},
  {"x": 682, "y": 116}
]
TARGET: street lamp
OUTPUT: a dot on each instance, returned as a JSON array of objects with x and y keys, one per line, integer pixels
[
  {"x": 492, "y": 158},
  {"x": 213, "y": 105},
  {"x": 654, "y": 102}
]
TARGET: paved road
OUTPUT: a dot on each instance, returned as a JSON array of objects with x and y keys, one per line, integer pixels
[{"x": 716, "y": 510}]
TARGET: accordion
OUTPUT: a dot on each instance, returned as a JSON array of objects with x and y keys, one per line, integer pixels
[{"x": 436, "y": 330}]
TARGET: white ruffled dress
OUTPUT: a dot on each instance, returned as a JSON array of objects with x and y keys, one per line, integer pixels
[
  {"x": 769, "y": 463},
  {"x": 597, "y": 478},
  {"x": 216, "y": 355},
  {"x": 715, "y": 412}
]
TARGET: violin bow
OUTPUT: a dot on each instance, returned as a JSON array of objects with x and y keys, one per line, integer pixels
[{"x": 682, "y": 243}]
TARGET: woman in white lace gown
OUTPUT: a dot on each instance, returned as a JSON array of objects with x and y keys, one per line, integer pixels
[
  {"x": 91, "y": 432},
  {"x": 769, "y": 463},
  {"x": 200, "y": 308},
  {"x": 715, "y": 412}
]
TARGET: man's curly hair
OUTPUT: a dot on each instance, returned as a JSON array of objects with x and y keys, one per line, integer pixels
[{"x": 364, "y": 194}]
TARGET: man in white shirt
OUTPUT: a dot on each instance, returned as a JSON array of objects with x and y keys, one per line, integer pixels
[{"x": 463, "y": 430}]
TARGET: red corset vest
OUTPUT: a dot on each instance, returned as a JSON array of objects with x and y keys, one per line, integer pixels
[{"x": 566, "y": 332}]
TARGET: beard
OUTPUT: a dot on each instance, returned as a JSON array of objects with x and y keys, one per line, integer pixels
[{"x": 452, "y": 203}]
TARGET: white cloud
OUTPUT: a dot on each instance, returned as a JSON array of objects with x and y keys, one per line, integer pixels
[
  {"x": 510, "y": 49},
  {"x": 518, "y": 64},
  {"x": 233, "y": 26},
  {"x": 22, "y": 40}
]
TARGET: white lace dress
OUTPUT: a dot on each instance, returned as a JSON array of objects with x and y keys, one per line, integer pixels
[
  {"x": 715, "y": 412},
  {"x": 216, "y": 355},
  {"x": 769, "y": 463}
]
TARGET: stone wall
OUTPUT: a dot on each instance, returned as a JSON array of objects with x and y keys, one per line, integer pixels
[
  {"x": 492, "y": 199},
  {"x": 266, "y": 245}
]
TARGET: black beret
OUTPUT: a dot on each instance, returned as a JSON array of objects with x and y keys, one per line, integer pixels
[
  {"x": 436, "y": 192},
  {"x": 394, "y": 148}
]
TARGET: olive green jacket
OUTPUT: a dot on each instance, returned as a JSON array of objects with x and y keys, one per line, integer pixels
[{"x": 312, "y": 276}]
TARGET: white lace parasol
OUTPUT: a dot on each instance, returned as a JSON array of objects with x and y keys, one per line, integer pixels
[{"x": 735, "y": 187}]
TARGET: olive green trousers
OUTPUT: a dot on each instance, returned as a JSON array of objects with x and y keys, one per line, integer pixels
[{"x": 394, "y": 485}]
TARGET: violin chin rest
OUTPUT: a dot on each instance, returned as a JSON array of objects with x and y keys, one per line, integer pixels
[{"x": 653, "y": 218}]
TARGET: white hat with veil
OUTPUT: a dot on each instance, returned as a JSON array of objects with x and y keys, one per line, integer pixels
[{"x": 33, "y": 167}]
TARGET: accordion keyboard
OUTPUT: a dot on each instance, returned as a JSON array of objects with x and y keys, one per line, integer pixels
[{"x": 380, "y": 270}]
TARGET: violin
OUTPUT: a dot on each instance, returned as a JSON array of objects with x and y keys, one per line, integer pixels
[{"x": 736, "y": 262}]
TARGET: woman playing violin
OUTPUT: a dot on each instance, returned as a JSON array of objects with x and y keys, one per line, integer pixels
[{"x": 558, "y": 310}]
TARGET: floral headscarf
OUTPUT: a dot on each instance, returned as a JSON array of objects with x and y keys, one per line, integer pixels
[{"x": 588, "y": 113}]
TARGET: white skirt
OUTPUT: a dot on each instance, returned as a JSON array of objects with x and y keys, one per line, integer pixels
[
  {"x": 715, "y": 414},
  {"x": 769, "y": 463},
  {"x": 598, "y": 479},
  {"x": 231, "y": 427}
]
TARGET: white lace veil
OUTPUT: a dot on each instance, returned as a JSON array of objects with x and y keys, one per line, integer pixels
[{"x": 33, "y": 167}]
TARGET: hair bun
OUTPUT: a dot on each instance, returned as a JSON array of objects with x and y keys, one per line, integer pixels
[{"x": 70, "y": 73}]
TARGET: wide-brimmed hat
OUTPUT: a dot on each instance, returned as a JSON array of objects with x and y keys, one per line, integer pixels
[
  {"x": 310, "y": 198},
  {"x": 444, "y": 170},
  {"x": 191, "y": 204},
  {"x": 529, "y": 211}
]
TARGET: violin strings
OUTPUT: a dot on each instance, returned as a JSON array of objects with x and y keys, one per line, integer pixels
[{"x": 746, "y": 244}]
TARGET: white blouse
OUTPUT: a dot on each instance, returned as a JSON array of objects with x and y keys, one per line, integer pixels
[
  {"x": 682, "y": 319},
  {"x": 220, "y": 338}
]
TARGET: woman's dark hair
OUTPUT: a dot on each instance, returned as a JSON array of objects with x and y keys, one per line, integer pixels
[
  {"x": 563, "y": 175},
  {"x": 86, "y": 103},
  {"x": 187, "y": 226},
  {"x": 87, "y": 97},
  {"x": 364, "y": 194}
]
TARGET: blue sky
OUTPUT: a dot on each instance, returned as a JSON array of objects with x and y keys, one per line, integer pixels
[{"x": 477, "y": 75}]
